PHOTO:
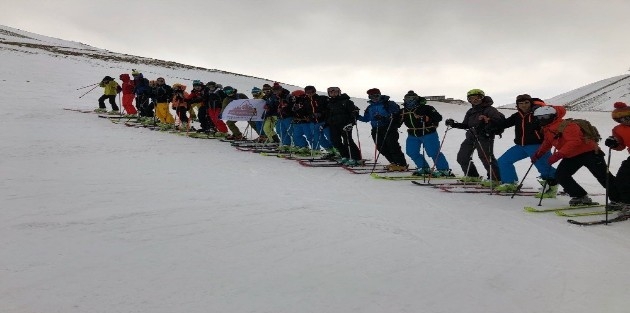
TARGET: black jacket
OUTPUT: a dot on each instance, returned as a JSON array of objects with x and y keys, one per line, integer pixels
[
  {"x": 526, "y": 129},
  {"x": 422, "y": 120},
  {"x": 341, "y": 111}
]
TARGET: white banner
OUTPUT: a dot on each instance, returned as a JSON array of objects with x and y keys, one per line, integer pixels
[{"x": 244, "y": 110}]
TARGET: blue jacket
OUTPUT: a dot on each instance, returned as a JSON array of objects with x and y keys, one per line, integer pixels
[{"x": 381, "y": 112}]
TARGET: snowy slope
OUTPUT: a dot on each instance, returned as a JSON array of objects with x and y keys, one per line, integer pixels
[
  {"x": 98, "y": 217},
  {"x": 598, "y": 96}
]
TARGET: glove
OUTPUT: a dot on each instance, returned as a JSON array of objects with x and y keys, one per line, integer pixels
[
  {"x": 555, "y": 158},
  {"x": 449, "y": 122},
  {"x": 347, "y": 128},
  {"x": 611, "y": 142},
  {"x": 537, "y": 156}
]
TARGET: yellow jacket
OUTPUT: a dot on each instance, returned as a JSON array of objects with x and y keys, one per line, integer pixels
[{"x": 110, "y": 88}]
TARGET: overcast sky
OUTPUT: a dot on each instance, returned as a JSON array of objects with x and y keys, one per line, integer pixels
[{"x": 446, "y": 47}]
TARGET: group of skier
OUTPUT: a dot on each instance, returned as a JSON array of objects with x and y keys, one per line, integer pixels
[{"x": 304, "y": 121}]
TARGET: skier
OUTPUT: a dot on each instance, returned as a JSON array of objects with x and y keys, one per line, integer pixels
[
  {"x": 127, "y": 94},
  {"x": 575, "y": 150},
  {"x": 180, "y": 106},
  {"x": 320, "y": 134},
  {"x": 422, "y": 121},
  {"x": 528, "y": 136},
  {"x": 143, "y": 92},
  {"x": 258, "y": 125},
  {"x": 384, "y": 116},
  {"x": 232, "y": 94},
  {"x": 341, "y": 116},
  {"x": 110, "y": 90},
  {"x": 213, "y": 97},
  {"x": 162, "y": 94},
  {"x": 480, "y": 123},
  {"x": 620, "y": 140},
  {"x": 272, "y": 103},
  {"x": 301, "y": 124}
]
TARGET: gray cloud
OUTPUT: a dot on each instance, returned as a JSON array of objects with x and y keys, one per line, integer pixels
[{"x": 434, "y": 47}]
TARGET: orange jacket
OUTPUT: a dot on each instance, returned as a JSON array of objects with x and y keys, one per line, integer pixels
[
  {"x": 571, "y": 142},
  {"x": 622, "y": 133}
]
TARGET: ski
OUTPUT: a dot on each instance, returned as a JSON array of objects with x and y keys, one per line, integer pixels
[
  {"x": 312, "y": 163},
  {"x": 562, "y": 208},
  {"x": 576, "y": 214},
  {"x": 79, "y": 110},
  {"x": 487, "y": 191},
  {"x": 601, "y": 222}
]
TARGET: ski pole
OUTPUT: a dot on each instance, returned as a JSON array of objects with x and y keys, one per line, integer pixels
[
  {"x": 607, "y": 181},
  {"x": 358, "y": 139},
  {"x": 520, "y": 185},
  {"x": 81, "y": 96},
  {"x": 87, "y": 86},
  {"x": 439, "y": 151},
  {"x": 391, "y": 119}
]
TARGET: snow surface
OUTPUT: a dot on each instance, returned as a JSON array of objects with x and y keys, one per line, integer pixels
[{"x": 98, "y": 217}]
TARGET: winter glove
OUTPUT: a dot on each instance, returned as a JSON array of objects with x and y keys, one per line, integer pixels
[
  {"x": 555, "y": 158},
  {"x": 537, "y": 156},
  {"x": 347, "y": 128},
  {"x": 611, "y": 142},
  {"x": 449, "y": 122}
]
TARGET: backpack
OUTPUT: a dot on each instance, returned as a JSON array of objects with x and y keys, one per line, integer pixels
[{"x": 589, "y": 131}]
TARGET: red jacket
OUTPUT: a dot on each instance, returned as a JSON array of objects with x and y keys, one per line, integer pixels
[
  {"x": 622, "y": 133},
  {"x": 571, "y": 142},
  {"x": 127, "y": 85}
]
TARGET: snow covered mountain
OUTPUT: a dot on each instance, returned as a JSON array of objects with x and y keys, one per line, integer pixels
[{"x": 598, "y": 96}]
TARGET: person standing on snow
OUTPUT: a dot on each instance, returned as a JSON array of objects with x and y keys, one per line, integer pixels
[
  {"x": 574, "y": 150},
  {"x": 528, "y": 136},
  {"x": 231, "y": 95},
  {"x": 110, "y": 90},
  {"x": 341, "y": 116},
  {"x": 127, "y": 94},
  {"x": 162, "y": 94},
  {"x": 620, "y": 140},
  {"x": 384, "y": 116},
  {"x": 422, "y": 121},
  {"x": 480, "y": 123},
  {"x": 180, "y": 106}
]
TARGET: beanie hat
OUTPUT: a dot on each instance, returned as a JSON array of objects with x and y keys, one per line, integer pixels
[
  {"x": 411, "y": 93},
  {"x": 134, "y": 72},
  {"x": 229, "y": 90},
  {"x": 373, "y": 91},
  {"x": 211, "y": 84},
  {"x": 298, "y": 93},
  {"x": 310, "y": 88},
  {"x": 266, "y": 87},
  {"x": 107, "y": 78},
  {"x": 276, "y": 86},
  {"x": 256, "y": 90},
  {"x": 197, "y": 82},
  {"x": 621, "y": 110},
  {"x": 538, "y": 102},
  {"x": 523, "y": 97}
]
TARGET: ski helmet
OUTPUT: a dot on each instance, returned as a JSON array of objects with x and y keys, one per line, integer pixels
[
  {"x": 475, "y": 92},
  {"x": 545, "y": 115}
]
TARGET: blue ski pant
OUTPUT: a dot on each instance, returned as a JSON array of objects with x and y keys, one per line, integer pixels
[
  {"x": 517, "y": 153},
  {"x": 284, "y": 130},
  {"x": 302, "y": 132},
  {"x": 431, "y": 144},
  {"x": 321, "y": 138}
]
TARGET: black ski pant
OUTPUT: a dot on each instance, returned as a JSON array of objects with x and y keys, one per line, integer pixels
[
  {"x": 485, "y": 148},
  {"x": 112, "y": 101},
  {"x": 182, "y": 114},
  {"x": 622, "y": 182},
  {"x": 595, "y": 163},
  {"x": 204, "y": 119},
  {"x": 387, "y": 144},
  {"x": 343, "y": 142},
  {"x": 144, "y": 106}
]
